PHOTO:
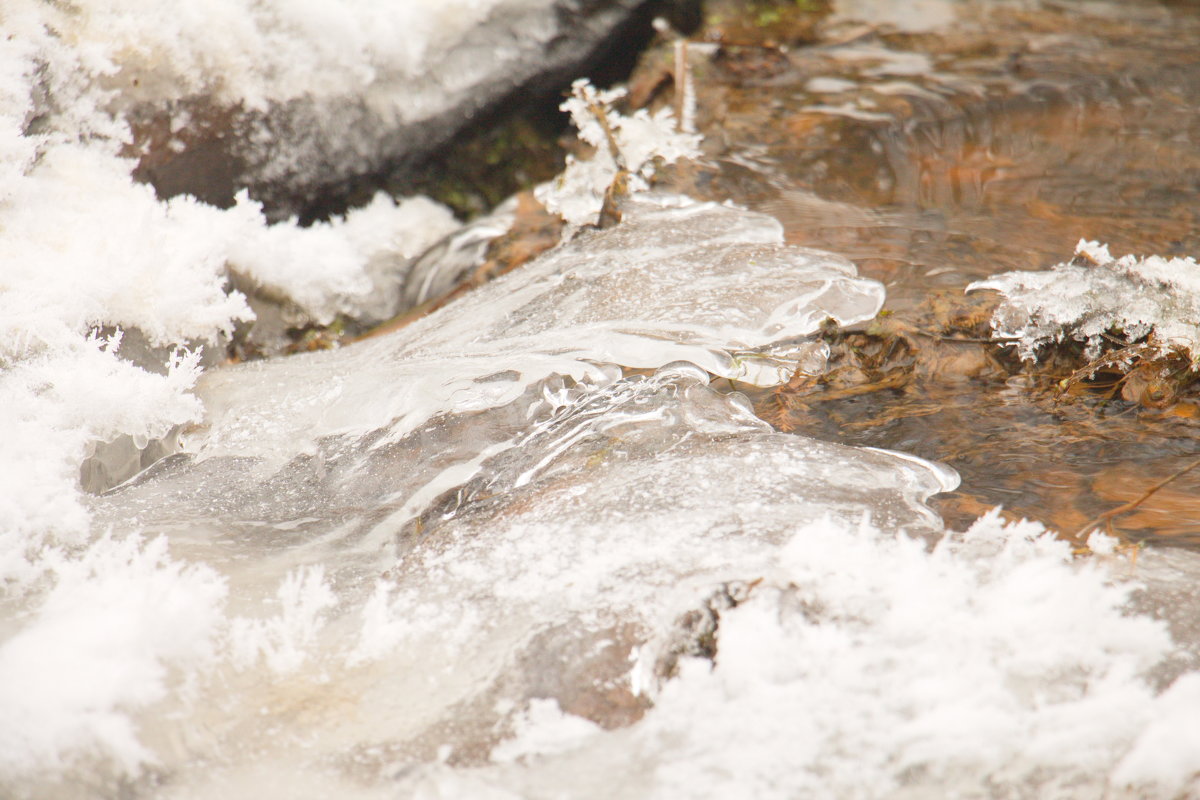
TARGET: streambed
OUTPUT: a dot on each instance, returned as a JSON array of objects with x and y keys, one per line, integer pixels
[{"x": 954, "y": 143}]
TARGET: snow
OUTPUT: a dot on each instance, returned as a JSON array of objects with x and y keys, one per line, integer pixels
[
  {"x": 1167, "y": 750},
  {"x": 91, "y": 255},
  {"x": 120, "y": 618},
  {"x": 1096, "y": 294},
  {"x": 864, "y": 665},
  {"x": 543, "y": 729},
  {"x": 353, "y": 265}
]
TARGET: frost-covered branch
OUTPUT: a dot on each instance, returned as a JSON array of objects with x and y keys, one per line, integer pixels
[
  {"x": 1096, "y": 295},
  {"x": 635, "y": 144}
]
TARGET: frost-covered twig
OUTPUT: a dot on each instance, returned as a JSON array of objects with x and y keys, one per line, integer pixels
[
  {"x": 630, "y": 144},
  {"x": 1151, "y": 298}
]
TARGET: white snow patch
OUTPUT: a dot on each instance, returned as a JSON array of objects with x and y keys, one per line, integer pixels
[
  {"x": 102, "y": 645},
  {"x": 1166, "y": 753},
  {"x": 56, "y": 405},
  {"x": 865, "y": 665},
  {"x": 352, "y": 265},
  {"x": 544, "y": 729},
  {"x": 84, "y": 247}
]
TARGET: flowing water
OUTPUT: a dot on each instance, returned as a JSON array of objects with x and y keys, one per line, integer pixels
[{"x": 932, "y": 158}]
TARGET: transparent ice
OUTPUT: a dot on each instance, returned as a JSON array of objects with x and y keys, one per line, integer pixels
[{"x": 478, "y": 558}]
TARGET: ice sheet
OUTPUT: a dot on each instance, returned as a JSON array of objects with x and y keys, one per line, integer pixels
[
  {"x": 540, "y": 627},
  {"x": 608, "y": 509},
  {"x": 472, "y": 559},
  {"x": 632, "y": 587},
  {"x": 304, "y": 486},
  {"x": 677, "y": 280}
]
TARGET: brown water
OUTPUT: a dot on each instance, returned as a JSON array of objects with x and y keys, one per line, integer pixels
[{"x": 935, "y": 158}]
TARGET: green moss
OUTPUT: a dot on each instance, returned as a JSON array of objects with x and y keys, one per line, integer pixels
[
  {"x": 476, "y": 173},
  {"x": 771, "y": 21}
]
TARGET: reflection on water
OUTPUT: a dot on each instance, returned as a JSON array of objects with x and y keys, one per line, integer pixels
[
  {"x": 935, "y": 158},
  {"x": 1063, "y": 465}
]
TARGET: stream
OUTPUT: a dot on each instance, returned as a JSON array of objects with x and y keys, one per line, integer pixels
[
  {"x": 935, "y": 159},
  {"x": 544, "y": 540}
]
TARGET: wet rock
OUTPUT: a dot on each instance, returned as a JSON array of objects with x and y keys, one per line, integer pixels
[
  {"x": 696, "y": 630},
  {"x": 313, "y": 153}
]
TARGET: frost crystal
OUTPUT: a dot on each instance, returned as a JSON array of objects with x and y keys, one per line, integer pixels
[
  {"x": 1095, "y": 294},
  {"x": 578, "y": 193}
]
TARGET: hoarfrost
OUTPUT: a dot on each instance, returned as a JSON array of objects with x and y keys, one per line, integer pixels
[
  {"x": 455, "y": 561},
  {"x": 641, "y": 141},
  {"x": 1096, "y": 294},
  {"x": 296, "y": 96},
  {"x": 353, "y": 265},
  {"x": 120, "y": 619},
  {"x": 862, "y": 664},
  {"x": 283, "y": 640}
]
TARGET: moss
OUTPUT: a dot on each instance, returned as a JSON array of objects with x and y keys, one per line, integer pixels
[
  {"x": 766, "y": 21},
  {"x": 476, "y": 173}
]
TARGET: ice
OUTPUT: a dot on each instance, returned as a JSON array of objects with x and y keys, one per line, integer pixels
[
  {"x": 677, "y": 280},
  {"x": 485, "y": 481},
  {"x": 480, "y": 555},
  {"x": 502, "y": 595},
  {"x": 614, "y": 507},
  {"x": 1096, "y": 294},
  {"x": 521, "y": 548}
]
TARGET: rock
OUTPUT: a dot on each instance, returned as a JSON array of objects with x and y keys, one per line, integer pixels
[{"x": 310, "y": 153}]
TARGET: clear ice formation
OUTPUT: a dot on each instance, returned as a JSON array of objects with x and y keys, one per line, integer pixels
[
  {"x": 477, "y": 558},
  {"x": 676, "y": 281},
  {"x": 433, "y": 522},
  {"x": 610, "y": 509}
]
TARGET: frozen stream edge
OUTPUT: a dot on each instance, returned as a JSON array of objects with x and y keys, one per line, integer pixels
[{"x": 461, "y": 560}]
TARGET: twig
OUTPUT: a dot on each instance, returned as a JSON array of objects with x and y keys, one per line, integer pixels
[
  {"x": 1107, "y": 516},
  {"x": 967, "y": 339},
  {"x": 681, "y": 72},
  {"x": 1092, "y": 367},
  {"x": 613, "y": 149},
  {"x": 895, "y": 380}
]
